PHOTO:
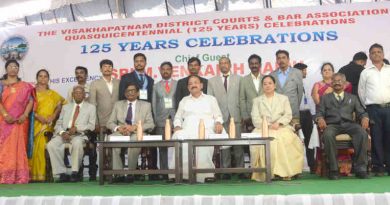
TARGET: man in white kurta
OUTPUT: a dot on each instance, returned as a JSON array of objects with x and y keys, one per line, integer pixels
[{"x": 192, "y": 109}]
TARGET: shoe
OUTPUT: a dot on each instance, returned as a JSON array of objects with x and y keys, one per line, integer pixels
[
  {"x": 118, "y": 179},
  {"x": 209, "y": 180},
  {"x": 63, "y": 178},
  {"x": 378, "y": 171},
  {"x": 92, "y": 178},
  {"x": 333, "y": 175},
  {"x": 129, "y": 179},
  {"x": 75, "y": 177},
  {"x": 171, "y": 180},
  {"x": 243, "y": 176},
  {"x": 226, "y": 177},
  {"x": 361, "y": 175}
]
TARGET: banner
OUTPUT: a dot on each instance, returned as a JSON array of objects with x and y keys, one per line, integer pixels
[{"x": 312, "y": 35}]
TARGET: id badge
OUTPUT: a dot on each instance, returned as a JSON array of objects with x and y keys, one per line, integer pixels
[
  {"x": 143, "y": 94},
  {"x": 168, "y": 103}
]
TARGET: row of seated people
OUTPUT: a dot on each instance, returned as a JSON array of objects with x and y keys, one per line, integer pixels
[{"x": 234, "y": 96}]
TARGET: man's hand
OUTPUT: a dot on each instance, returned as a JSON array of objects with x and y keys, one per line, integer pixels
[
  {"x": 72, "y": 131},
  {"x": 97, "y": 128},
  {"x": 275, "y": 126},
  {"x": 365, "y": 123},
  {"x": 321, "y": 124},
  {"x": 66, "y": 136},
  {"x": 218, "y": 128},
  {"x": 123, "y": 130},
  {"x": 177, "y": 128}
]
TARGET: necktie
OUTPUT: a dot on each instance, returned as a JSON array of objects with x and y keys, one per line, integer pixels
[
  {"x": 167, "y": 88},
  {"x": 339, "y": 98},
  {"x": 142, "y": 78},
  {"x": 129, "y": 116},
  {"x": 225, "y": 82},
  {"x": 75, "y": 115}
]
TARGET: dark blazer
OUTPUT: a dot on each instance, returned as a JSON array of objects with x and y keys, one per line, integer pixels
[
  {"x": 335, "y": 113},
  {"x": 132, "y": 77},
  {"x": 182, "y": 90}
]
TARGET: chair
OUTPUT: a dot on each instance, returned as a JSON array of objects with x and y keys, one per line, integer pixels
[
  {"x": 89, "y": 150},
  {"x": 343, "y": 142}
]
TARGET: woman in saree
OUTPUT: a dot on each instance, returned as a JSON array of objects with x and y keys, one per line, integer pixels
[
  {"x": 319, "y": 89},
  {"x": 15, "y": 105},
  {"x": 48, "y": 107},
  {"x": 286, "y": 148}
]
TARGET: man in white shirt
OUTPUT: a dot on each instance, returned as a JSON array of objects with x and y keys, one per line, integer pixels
[
  {"x": 193, "y": 108},
  {"x": 306, "y": 111},
  {"x": 374, "y": 93},
  {"x": 81, "y": 77},
  {"x": 75, "y": 120}
]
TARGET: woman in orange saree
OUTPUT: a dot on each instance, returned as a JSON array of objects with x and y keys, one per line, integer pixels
[{"x": 15, "y": 105}]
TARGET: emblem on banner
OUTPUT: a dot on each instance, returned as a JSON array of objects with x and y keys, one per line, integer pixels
[{"x": 15, "y": 48}]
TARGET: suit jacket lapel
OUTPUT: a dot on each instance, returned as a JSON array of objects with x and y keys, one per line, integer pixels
[
  {"x": 104, "y": 84},
  {"x": 266, "y": 104},
  {"x": 251, "y": 84}
]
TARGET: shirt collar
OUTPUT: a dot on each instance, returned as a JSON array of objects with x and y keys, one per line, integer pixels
[
  {"x": 128, "y": 102},
  {"x": 81, "y": 104},
  {"x": 107, "y": 81},
  {"x": 287, "y": 71},
  {"x": 254, "y": 77},
  {"x": 138, "y": 73},
  {"x": 227, "y": 74},
  {"x": 341, "y": 94},
  {"x": 201, "y": 96}
]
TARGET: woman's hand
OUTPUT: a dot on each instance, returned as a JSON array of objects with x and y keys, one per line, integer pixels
[
  {"x": 40, "y": 119},
  {"x": 9, "y": 119},
  {"x": 22, "y": 118},
  {"x": 275, "y": 126}
]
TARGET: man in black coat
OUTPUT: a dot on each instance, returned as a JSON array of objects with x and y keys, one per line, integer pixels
[
  {"x": 353, "y": 69},
  {"x": 194, "y": 66},
  {"x": 138, "y": 76}
]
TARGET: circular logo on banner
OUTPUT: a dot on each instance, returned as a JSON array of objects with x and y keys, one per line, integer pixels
[{"x": 14, "y": 48}]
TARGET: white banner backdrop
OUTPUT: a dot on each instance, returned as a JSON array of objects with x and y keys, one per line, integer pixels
[{"x": 312, "y": 35}]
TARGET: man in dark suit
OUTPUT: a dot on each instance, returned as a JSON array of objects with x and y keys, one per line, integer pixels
[
  {"x": 335, "y": 117},
  {"x": 144, "y": 82},
  {"x": 194, "y": 66},
  {"x": 353, "y": 70}
]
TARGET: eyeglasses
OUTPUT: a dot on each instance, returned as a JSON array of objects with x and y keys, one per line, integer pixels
[{"x": 131, "y": 91}]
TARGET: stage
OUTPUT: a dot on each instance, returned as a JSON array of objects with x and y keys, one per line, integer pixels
[{"x": 309, "y": 189}]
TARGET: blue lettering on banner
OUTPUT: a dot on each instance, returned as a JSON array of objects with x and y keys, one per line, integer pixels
[{"x": 214, "y": 41}]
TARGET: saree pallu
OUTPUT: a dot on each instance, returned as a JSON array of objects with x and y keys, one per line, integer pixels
[
  {"x": 13, "y": 137},
  {"x": 47, "y": 102}
]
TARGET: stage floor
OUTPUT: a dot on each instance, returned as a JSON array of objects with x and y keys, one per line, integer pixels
[{"x": 307, "y": 184}]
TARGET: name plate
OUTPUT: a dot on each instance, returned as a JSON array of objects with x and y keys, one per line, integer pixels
[
  {"x": 152, "y": 137},
  {"x": 250, "y": 135},
  {"x": 217, "y": 136},
  {"x": 118, "y": 138}
]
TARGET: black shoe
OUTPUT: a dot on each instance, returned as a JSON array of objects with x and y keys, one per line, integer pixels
[
  {"x": 333, "y": 175},
  {"x": 75, "y": 177},
  {"x": 92, "y": 178},
  {"x": 63, "y": 178},
  {"x": 378, "y": 171},
  {"x": 361, "y": 175},
  {"x": 243, "y": 176},
  {"x": 118, "y": 179},
  {"x": 129, "y": 179},
  {"x": 226, "y": 177},
  {"x": 209, "y": 180}
]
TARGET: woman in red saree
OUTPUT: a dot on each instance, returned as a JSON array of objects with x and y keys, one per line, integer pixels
[{"x": 15, "y": 105}]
